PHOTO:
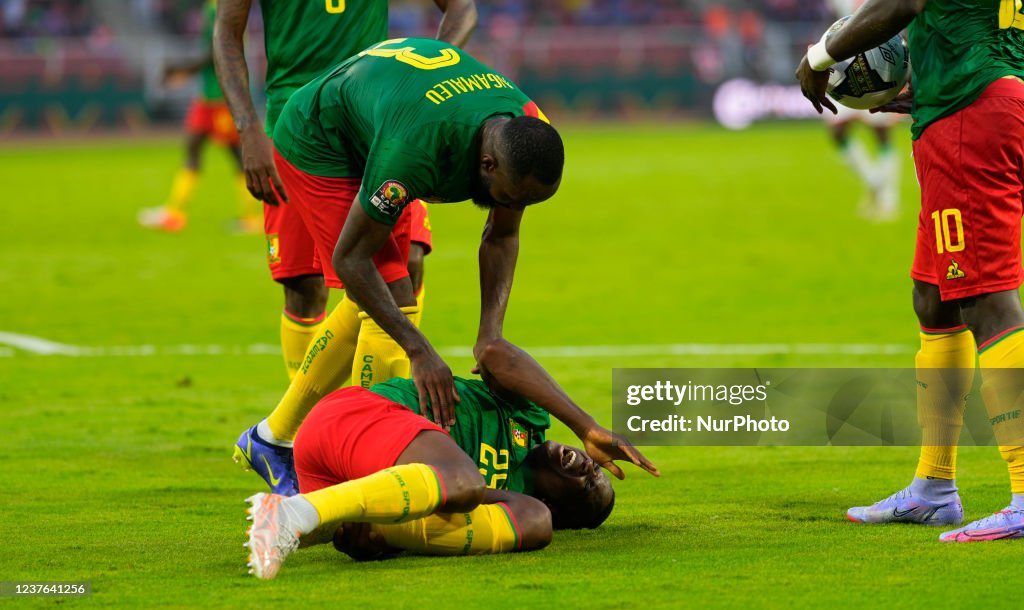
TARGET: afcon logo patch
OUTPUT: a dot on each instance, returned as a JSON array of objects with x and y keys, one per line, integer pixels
[
  {"x": 390, "y": 198},
  {"x": 273, "y": 249},
  {"x": 518, "y": 434}
]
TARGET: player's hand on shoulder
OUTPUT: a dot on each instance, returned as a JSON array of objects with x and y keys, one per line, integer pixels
[
  {"x": 604, "y": 447},
  {"x": 435, "y": 386},
  {"x": 261, "y": 177}
]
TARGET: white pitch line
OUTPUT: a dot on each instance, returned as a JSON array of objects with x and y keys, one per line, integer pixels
[{"x": 44, "y": 347}]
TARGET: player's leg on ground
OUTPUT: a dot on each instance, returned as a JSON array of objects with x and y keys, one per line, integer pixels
[
  {"x": 945, "y": 372},
  {"x": 506, "y": 522},
  {"x": 999, "y": 320},
  {"x": 432, "y": 474},
  {"x": 378, "y": 357},
  {"x": 409, "y": 490},
  {"x": 172, "y": 216}
]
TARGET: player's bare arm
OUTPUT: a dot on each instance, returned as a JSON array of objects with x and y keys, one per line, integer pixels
[
  {"x": 499, "y": 250},
  {"x": 874, "y": 23},
  {"x": 459, "y": 21},
  {"x": 515, "y": 371},
  {"x": 361, "y": 238},
  {"x": 261, "y": 176}
]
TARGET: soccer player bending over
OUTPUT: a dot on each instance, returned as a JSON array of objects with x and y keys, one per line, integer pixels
[
  {"x": 492, "y": 484},
  {"x": 405, "y": 119},
  {"x": 968, "y": 109}
]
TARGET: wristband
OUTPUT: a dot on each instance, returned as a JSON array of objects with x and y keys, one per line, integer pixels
[{"x": 818, "y": 57}]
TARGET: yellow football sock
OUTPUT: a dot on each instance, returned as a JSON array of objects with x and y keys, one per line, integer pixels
[
  {"x": 393, "y": 495},
  {"x": 945, "y": 374},
  {"x": 1002, "y": 388},
  {"x": 324, "y": 368},
  {"x": 378, "y": 357},
  {"x": 182, "y": 188},
  {"x": 488, "y": 528},
  {"x": 296, "y": 333}
]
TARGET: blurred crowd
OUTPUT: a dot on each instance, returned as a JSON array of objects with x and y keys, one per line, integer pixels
[{"x": 48, "y": 18}]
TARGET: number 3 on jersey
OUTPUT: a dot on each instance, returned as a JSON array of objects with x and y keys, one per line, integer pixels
[
  {"x": 335, "y": 6},
  {"x": 407, "y": 55}
]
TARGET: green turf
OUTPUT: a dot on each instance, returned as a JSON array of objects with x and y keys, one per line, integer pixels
[{"x": 116, "y": 469}]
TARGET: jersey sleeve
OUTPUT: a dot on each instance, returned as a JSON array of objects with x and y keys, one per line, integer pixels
[{"x": 396, "y": 173}]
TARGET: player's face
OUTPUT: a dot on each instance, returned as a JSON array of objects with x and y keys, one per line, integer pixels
[
  {"x": 568, "y": 480},
  {"x": 493, "y": 187}
]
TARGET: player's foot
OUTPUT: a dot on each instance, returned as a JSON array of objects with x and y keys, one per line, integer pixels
[
  {"x": 1007, "y": 524},
  {"x": 162, "y": 219},
  {"x": 272, "y": 462},
  {"x": 272, "y": 536},
  {"x": 904, "y": 507},
  {"x": 247, "y": 225}
]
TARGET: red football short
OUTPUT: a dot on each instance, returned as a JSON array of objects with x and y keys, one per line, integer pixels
[
  {"x": 971, "y": 169},
  {"x": 302, "y": 234},
  {"x": 419, "y": 223},
  {"x": 211, "y": 119},
  {"x": 350, "y": 434}
]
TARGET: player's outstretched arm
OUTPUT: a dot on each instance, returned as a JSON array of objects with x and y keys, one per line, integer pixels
[
  {"x": 874, "y": 23},
  {"x": 499, "y": 249},
  {"x": 459, "y": 21},
  {"x": 515, "y": 371},
  {"x": 261, "y": 177},
  {"x": 361, "y": 238}
]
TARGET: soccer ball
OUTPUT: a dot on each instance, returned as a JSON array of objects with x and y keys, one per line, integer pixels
[{"x": 872, "y": 78}]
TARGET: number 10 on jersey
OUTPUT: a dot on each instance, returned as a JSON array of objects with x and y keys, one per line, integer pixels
[{"x": 948, "y": 238}]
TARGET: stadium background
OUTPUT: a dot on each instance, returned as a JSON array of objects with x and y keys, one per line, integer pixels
[{"x": 129, "y": 360}]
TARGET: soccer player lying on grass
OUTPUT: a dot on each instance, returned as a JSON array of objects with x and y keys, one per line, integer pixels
[{"x": 366, "y": 456}]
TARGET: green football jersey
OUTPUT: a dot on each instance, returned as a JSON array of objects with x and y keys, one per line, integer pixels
[
  {"x": 302, "y": 38},
  {"x": 403, "y": 116},
  {"x": 959, "y": 47},
  {"x": 495, "y": 432},
  {"x": 208, "y": 85}
]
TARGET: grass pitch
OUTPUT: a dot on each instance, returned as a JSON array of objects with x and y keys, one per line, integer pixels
[{"x": 117, "y": 469}]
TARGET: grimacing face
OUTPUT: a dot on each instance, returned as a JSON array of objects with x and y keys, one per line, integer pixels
[
  {"x": 493, "y": 187},
  {"x": 569, "y": 482}
]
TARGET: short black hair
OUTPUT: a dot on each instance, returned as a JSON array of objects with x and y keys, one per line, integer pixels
[
  {"x": 577, "y": 520},
  {"x": 533, "y": 148}
]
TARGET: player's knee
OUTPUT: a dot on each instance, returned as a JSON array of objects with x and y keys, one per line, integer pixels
[
  {"x": 989, "y": 315},
  {"x": 930, "y": 309},
  {"x": 534, "y": 520},
  {"x": 305, "y": 295},
  {"x": 464, "y": 488}
]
